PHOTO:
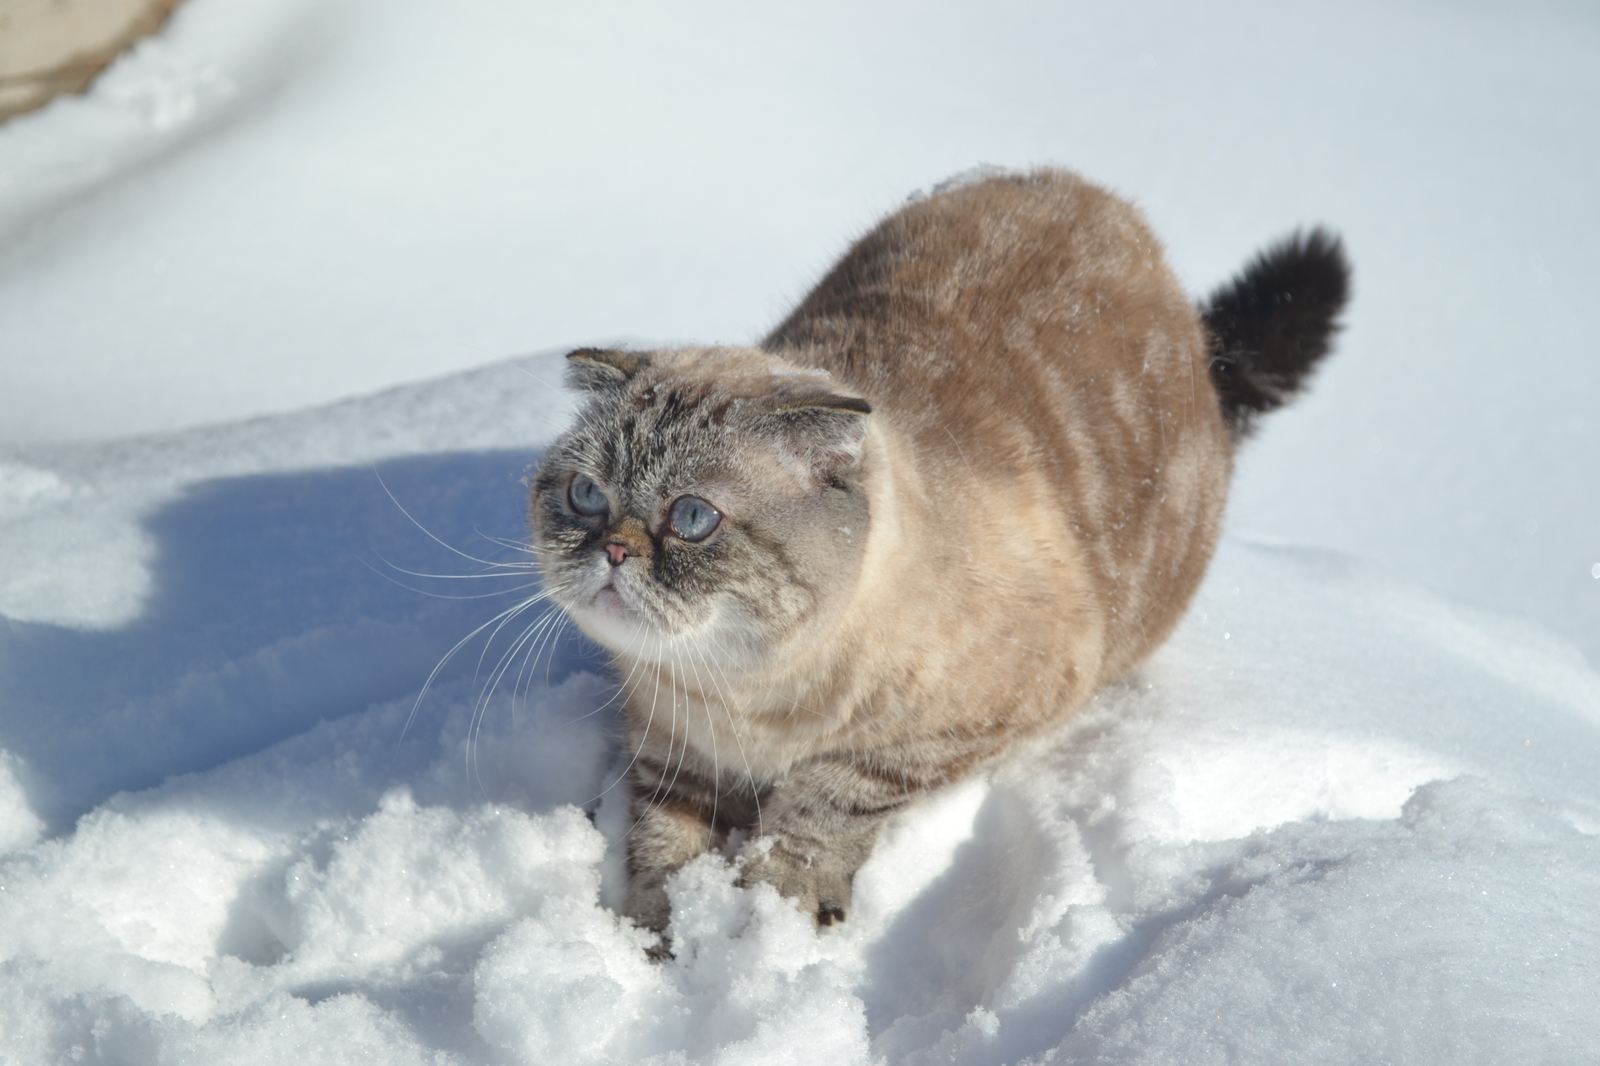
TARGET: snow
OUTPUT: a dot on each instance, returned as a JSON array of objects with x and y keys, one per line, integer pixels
[
  {"x": 261, "y": 451},
  {"x": 1321, "y": 823}
]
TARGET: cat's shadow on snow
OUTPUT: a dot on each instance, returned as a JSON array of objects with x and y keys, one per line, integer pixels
[{"x": 278, "y": 600}]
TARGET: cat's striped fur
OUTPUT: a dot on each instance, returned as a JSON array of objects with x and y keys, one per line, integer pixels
[{"x": 976, "y": 474}]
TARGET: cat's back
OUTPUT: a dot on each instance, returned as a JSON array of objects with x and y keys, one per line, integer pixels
[
  {"x": 1028, "y": 285},
  {"x": 1026, "y": 335}
]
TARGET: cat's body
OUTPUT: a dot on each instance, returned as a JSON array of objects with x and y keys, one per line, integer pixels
[{"x": 978, "y": 473}]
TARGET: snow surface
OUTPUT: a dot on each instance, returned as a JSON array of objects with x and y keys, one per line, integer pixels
[
  {"x": 1334, "y": 819},
  {"x": 1339, "y": 817}
]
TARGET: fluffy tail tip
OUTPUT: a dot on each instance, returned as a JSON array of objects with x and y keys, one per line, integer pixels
[{"x": 1273, "y": 323}]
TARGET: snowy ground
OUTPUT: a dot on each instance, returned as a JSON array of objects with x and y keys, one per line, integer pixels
[{"x": 1347, "y": 814}]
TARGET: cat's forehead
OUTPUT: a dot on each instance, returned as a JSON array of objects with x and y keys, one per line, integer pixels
[
  {"x": 648, "y": 444},
  {"x": 680, "y": 418}
]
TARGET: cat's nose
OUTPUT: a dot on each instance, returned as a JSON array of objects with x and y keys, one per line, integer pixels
[{"x": 627, "y": 537}]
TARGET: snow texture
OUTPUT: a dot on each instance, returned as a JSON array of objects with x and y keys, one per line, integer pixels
[{"x": 1346, "y": 814}]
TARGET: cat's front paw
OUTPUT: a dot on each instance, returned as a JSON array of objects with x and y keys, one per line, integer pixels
[
  {"x": 647, "y": 903},
  {"x": 817, "y": 886}
]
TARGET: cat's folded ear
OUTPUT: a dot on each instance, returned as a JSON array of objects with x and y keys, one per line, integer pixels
[
  {"x": 602, "y": 369},
  {"x": 822, "y": 432}
]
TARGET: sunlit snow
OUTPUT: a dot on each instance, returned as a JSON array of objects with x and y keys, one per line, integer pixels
[{"x": 1350, "y": 813}]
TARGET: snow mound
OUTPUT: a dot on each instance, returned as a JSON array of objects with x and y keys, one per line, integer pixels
[{"x": 1334, "y": 817}]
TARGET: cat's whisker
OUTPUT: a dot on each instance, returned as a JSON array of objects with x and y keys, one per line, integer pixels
[
  {"x": 502, "y": 572},
  {"x": 440, "y": 665},
  {"x": 489, "y": 643},
  {"x": 655, "y": 696},
  {"x": 727, "y": 709},
  {"x": 581, "y": 415},
  {"x": 644, "y": 735},
  {"x": 675, "y": 689},
  {"x": 711, "y": 731},
  {"x": 447, "y": 596},
  {"x": 547, "y": 644},
  {"x": 530, "y": 639},
  {"x": 480, "y": 704},
  {"x": 425, "y": 530},
  {"x": 767, "y": 688},
  {"x": 497, "y": 570},
  {"x": 618, "y": 694},
  {"x": 480, "y": 707},
  {"x": 521, "y": 547},
  {"x": 522, "y": 687},
  {"x": 526, "y": 639},
  {"x": 518, "y": 366},
  {"x": 713, "y": 668},
  {"x": 961, "y": 452},
  {"x": 683, "y": 753}
]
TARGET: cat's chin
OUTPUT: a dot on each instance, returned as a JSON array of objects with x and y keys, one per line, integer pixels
[
  {"x": 613, "y": 623},
  {"x": 610, "y": 621},
  {"x": 621, "y": 628}
]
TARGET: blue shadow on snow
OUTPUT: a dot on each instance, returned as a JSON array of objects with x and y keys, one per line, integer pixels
[{"x": 279, "y": 600}]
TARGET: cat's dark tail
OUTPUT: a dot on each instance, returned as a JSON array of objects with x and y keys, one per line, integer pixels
[{"x": 1271, "y": 325}]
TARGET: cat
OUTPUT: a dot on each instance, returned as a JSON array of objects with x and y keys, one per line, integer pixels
[{"x": 976, "y": 474}]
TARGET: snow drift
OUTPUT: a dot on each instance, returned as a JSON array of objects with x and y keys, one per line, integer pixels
[{"x": 1334, "y": 818}]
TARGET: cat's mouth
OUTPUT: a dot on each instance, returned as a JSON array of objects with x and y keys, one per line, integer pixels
[
  {"x": 609, "y": 599},
  {"x": 611, "y": 615},
  {"x": 622, "y": 619}
]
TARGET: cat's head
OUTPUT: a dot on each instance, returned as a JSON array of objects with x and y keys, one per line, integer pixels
[{"x": 706, "y": 503}]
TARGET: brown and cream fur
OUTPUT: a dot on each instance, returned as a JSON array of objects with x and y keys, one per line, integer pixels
[{"x": 978, "y": 473}]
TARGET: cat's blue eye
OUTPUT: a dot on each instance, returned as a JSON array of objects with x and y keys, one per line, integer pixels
[
  {"x": 586, "y": 497},
  {"x": 693, "y": 518}
]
